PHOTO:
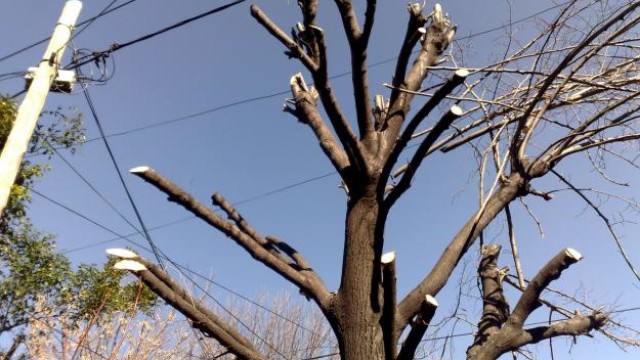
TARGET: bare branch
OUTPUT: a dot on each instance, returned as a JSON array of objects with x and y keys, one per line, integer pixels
[
  {"x": 411, "y": 38},
  {"x": 369, "y": 17},
  {"x": 526, "y": 124},
  {"x": 588, "y": 144},
  {"x": 529, "y": 301},
  {"x": 388, "y": 262},
  {"x": 294, "y": 49},
  {"x": 307, "y": 112},
  {"x": 436, "y": 38},
  {"x": 495, "y": 310},
  {"x": 358, "y": 41},
  {"x": 514, "y": 247},
  {"x": 458, "y": 246},
  {"x": 311, "y": 285},
  {"x": 408, "y": 132},
  {"x": 202, "y": 319},
  {"x": 604, "y": 218},
  {"x": 441, "y": 126},
  {"x": 418, "y": 328},
  {"x": 578, "y": 325}
]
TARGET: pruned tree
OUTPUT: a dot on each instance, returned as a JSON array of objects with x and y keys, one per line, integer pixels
[{"x": 572, "y": 90}]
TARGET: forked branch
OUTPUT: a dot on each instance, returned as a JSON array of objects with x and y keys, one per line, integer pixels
[
  {"x": 435, "y": 37},
  {"x": 305, "y": 109},
  {"x": 257, "y": 246},
  {"x": 458, "y": 246},
  {"x": 500, "y": 332},
  {"x": 311, "y": 36},
  {"x": 551, "y": 271}
]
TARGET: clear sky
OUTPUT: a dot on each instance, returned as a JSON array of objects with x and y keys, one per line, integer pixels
[{"x": 247, "y": 151}]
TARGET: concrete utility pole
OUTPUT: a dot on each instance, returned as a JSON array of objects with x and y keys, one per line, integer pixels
[{"x": 31, "y": 107}]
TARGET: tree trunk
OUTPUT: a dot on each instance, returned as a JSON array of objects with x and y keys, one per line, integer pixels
[{"x": 359, "y": 303}]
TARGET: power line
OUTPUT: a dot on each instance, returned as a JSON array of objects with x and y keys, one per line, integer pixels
[
  {"x": 174, "y": 263},
  {"x": 93, "y": 188},
  {"x": 197, "y": 114},
  {"x": 244, "y": 201},
  {"x": 333, "y": 77},
  {"x": 79, "y": 214},
  {"x": 119, "y": 173},
  {"x": 91, "y": 21},
  {"x": 124, "y": 237},
  {"x": 88, "y": 21},
  {"x": 279, "y": 93},
  {"x": 117, "y": 46}
]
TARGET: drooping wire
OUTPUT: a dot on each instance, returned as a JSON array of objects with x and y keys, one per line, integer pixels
[
  {"x": 146, "y": 234},
  {"x": 88, "y": 21},
  {"x": 117, "y": 46},
  {"x": 84, "y": 25},
  {"x": 79, "y": 214},
  {"x": 12, "y": 75},
  {"x": 243, "y": 201},
  {"x": 92, "y": 58},
  {"x": 100, "y": 63},
  {"x": 94, "y": 189}
]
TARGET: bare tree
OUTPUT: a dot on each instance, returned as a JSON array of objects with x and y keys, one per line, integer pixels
[
  {"x": 571, "y": 90},
  {"x": 288, "y": 327}
]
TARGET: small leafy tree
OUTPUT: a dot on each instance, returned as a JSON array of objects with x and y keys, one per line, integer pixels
[{"x": 30, "y": 267}]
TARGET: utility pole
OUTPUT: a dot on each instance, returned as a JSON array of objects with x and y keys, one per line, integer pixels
[{"x": 31, "y": 107}]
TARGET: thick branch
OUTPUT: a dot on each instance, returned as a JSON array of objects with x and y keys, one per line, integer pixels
[
  {"x": 17, "y": 341},
  {"x": 202, "y": 319},
  {"x": 317, "y": 66},
  {"x": 529, "y": 299},
  {"x": 444, "y": 266},
  {"x": 578, "y": 325},
  {"x": 369, "y": 17},
  {"x": 307, "y": 113},
  {"x": 388, "y": 262},
  {"x": 435, "y": 40},
  {"x": 418, "y": 328},
  {"x": 358, "y": 41},
  {"x": 495, "y": 309},
  {"x": 330, "y": 103},
  {"x": 295, "y": 50},
  {"x": 310, "y": 284},
  {"x": 411, "y": 38},
  {"x": 412, "y": 167},
  {"x": 408, "y": 132}
]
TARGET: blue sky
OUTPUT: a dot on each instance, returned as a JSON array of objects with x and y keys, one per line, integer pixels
[{"x": 254, "y": 148}]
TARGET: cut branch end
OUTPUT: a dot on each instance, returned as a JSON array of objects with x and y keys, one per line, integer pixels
[
  {"x": 139, "y": 169},
  {"x": 122, "y": 253},
  {"x": 129, "y": 265},
  {"x": 388, "y": 258},
  {"x": 573, "y": 254}
]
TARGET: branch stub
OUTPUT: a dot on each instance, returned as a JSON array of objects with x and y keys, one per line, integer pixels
[{"x": 122, "y": 253}]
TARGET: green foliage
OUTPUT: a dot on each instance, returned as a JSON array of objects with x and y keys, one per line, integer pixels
[
  {"x": 94, "y": 288},
  {"x": 30, "y": 268}
]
